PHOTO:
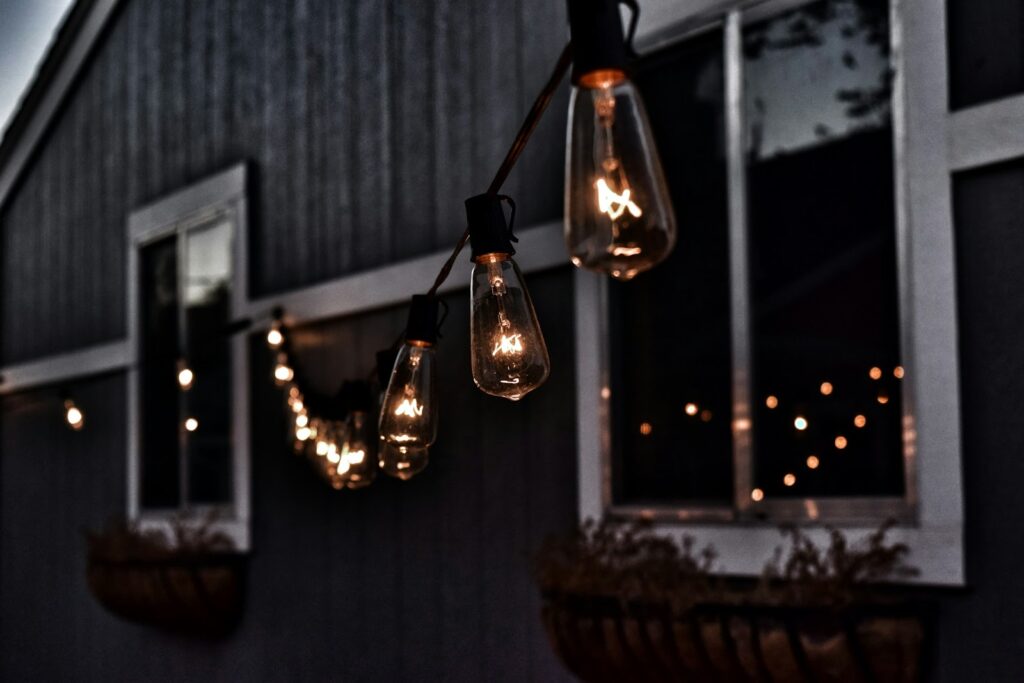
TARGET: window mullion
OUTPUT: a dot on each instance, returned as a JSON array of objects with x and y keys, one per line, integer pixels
[{"x": 742, "y": 376}]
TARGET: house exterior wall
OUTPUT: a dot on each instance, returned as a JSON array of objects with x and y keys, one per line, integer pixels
[{"x": 367, "y": 124}]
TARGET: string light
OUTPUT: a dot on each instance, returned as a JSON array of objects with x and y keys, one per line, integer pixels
[
  {"x": 859, "y": 421},
  {"x": 646, "y": 428},
  {"x": 772, "y": 402},
  {"x": 841, "y": 442},
  {"x": 757, "y": 495},
  {"x": 800, "y": 423},
  {"x": 185, "y": 376},
  {"x": 73, "y": 415},
  {"x": 509, "y": 357},
  {"x": 408, "y": 414},
  {"x": 897, "y": 372},
  {"x": 789, "y": 479},
  {"x": 191, "y": 424},
  {"x": 883, "y": 398},
  {"x": 825, "y": 388},
  {"x": 690, "y": 409},
  {"x": 275, "y": 337},
  {"x": 875, "y": 373},
  {"x": 283, "y": 372},
  {"x": 705, "y": 415},
  {"x": 813, "y": 462},
  {"x": 618, "y": 214}
]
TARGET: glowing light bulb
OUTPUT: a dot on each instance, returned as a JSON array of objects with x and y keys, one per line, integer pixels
[
  {"x": 825, "y": 388},
  {"x": 789, "y": 479},
  {"x": 618, "y": 215},
  {"x": 883, "y": 398},
  {"x": 800, "y": 423},
  {"x": 875, "y": 373},
  {"x": 402, "y": 462},
  {"x": 897, "y": 372},
  {"x": 508, "y": 354},
  {"x": 73, "y": 415},
  {"x": 772, "y": 402},
  {"x": 841, "y": 442},
  {"x": 813, "y": 462},
  {"x": 185, "y": 376},
  {"x": 322, "y": 447},
  {"x": 297, "y": 405},
  {"x": 705, "y": 415},
  {"x": 303, "y": 433},
  {"x": 301, "y": 420},
  {"x": 408, "y": 415},
  {"x": 690, "y": 409},
  {"x": 275, "y": 337},
  {"x": 757, "y": 495},
  {"x": 859, "y": 421},
  {"x": 191, "y": 424},
  {"x": 283, "y": 372},
  {"x": 646, "y": 429}
]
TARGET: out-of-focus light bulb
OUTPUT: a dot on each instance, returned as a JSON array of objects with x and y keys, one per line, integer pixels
[
  {"x": 618, "y": 214},
  {"x": 772, "y": 402},
  {"x": 757, "y": 495},
  {"x": 789, "y": 479},
  {"x": 401, "y": 462},
  {"x": 408, "y": 415},
  {"x": 813, "y": 462},
  {"x": 275, "y": 337},
  {"x": 875, "y": 373},
  {"x": 73, "y": 415},
  {"x": 825, "y": 388},
  {"x": 185, "y": 376},
  {"x": 191, "y": 424},
  {"x": 897, "y": 372},
  {"x": 301, "y": 420},
  {"x": 321, "y": 447},
  {"x": 509, "y": 357},
  {"x": 303, "y": 433},
  {"x": 283, "y": 372},
  {"x": 800, "y": 423},
  {"x": 690, "y": 409},
  {"x": 357, "y": 452}
]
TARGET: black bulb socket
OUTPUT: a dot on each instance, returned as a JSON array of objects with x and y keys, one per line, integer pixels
[
  {"x": 489, "y": 232},
  {"x": 598, "y": 43},
  {"x": 422, "y": 324}
]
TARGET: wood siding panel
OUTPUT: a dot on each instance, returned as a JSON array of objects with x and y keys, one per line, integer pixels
[{"x": 368, "y": 124}]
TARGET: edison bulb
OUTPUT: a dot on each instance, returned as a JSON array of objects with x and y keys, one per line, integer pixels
[
  {"x": 408, "y": 415},
  {"x": 401, "y": 462},
  {"x": 283, "y": 372},
  {"x": 618, "y": 215},
  {"x": 358, "y": 464},
  {"x": 509, "y": 357}
]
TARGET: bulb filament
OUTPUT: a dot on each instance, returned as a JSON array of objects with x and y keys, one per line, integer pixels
[
  {"x": 409, "y": 408},
  {"x": 614, "y": 204},
  {"x": 508, "y": 345}
]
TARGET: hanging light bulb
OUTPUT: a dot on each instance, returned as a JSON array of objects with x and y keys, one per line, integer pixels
[
  {"x": 618, "y": 215},
  {"x": 275, "y": 337},
  {"x": 509, "y": 357},
  {"x": 402, "y": 462},
  {"x": 185, "y": 375},
  {"x": 408, "y": 415},
  {"x": 73, "y": 415},
  {"x": 357, "y": 465},
  {"x": 283, "y": 372}
]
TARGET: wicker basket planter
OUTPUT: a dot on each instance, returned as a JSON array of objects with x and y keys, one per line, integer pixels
[
  {"x": 604, "y": 639},
  {"x": 199, "y": 595}
]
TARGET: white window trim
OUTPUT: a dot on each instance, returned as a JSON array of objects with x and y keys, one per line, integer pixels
[
  {"x": 221, "y": 194},
  {"x": 929, "y": 143}
]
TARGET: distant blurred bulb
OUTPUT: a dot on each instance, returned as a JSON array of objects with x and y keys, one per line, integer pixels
[
  {"x": 73, "y": 416},
  {"x": 283, "y": 372},
  {"x": 301, "y": 420},
  {"x": 191, "y": 424},
  {"x": 274, "y": 336},
  {"x": 185, "y": 376},
  {"x": 356, "y": 452}
]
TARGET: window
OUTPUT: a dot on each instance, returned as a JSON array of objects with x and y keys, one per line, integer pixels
[
  {"x": 794, "y": 355},
  {"x": 188, "y": 451}
]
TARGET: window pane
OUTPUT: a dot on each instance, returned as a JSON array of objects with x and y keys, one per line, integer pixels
[
  {"x": 670, "y": 327},
  {"x": 823, "y": 253},
  {"x": 207, "y": 288},
  {"x": 159, "y": 353},
  {"x": 986, "y": 50}
]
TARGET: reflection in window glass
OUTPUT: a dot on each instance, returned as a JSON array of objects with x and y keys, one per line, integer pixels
[
  {"x": 822, "y": 253},
  {"x": 186, "y": 294},
  {"x": 670, "y": 371},
  {"x": 160, "y": 476},
  {"x": 207, "y": 286}
]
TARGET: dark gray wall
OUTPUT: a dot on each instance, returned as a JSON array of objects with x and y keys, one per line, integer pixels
[
  {"x": 368, "y": 123},
  {"x": 421, "y": 580}
]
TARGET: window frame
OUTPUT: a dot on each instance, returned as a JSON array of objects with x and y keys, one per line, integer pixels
[
  {"x": 220, "y": 196},
  {"x": 930, "y": 514}
]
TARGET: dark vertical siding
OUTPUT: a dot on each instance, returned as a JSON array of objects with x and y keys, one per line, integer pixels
[
  {"x": 986, "y": 50},
  {"x": 421, "y": 580},
  {"x": 980, "y": 634},
  {"x": 368, "y": 124}
]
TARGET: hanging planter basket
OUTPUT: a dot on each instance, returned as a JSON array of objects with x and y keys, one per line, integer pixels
[
  {"x": 199, "y": 595},
  {"x": 604, "y": 639}
]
